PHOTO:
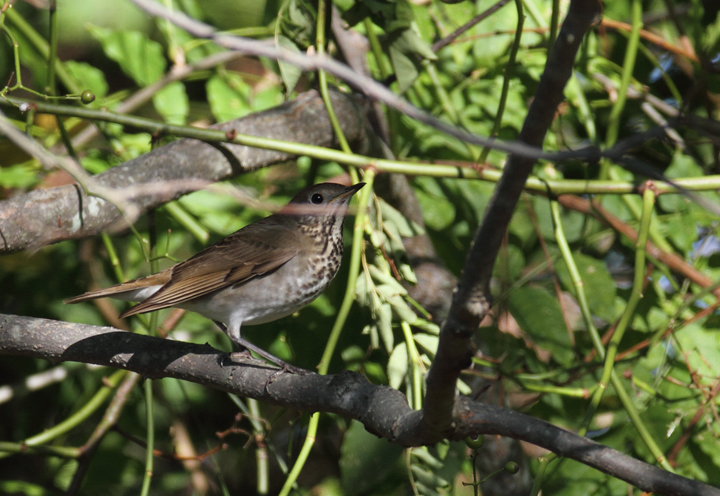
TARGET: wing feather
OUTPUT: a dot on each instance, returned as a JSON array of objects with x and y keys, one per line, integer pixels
[{"x": 255, "y": 250}]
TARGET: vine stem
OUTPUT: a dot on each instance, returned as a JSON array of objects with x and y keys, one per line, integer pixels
[
  {"x": 68, "y": 424},
  {"x": 609, "y": 374},
  {"x": 460, "y": 170},
  {"x": 508, "y": 74}
]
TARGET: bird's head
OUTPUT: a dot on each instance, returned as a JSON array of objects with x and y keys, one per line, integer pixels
[{"x": 322, "y": 201}]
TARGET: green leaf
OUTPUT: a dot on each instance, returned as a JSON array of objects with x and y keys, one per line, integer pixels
[
  {"x": 703, "y": 348},
  {"x": 23, "y": 487},
  {"x": 366, "y": 460},
  {"x": 290, "y": 73},
  {"x": 405, "y": 68},
  {"x": 139, "y": 57},
  {"x": 406, "y": 49},
  {"x": 682, "y": 166},
  {"x": 383, "y": 318},
  {"x": 409, "y": 42},
  {"x": 438, "y": 211},
  {"x": 539, "y": 315},
  {"x": 402, "y": 310},
  {"x": 572, "y": 221},
  {"x": 298, "y": 22},
  {"x": 405, "y": 227},
  {"x": 94, "y": 165},
  {"x": 679, "y": 231},
  {"x": 228, "y": 102},
  {"x": 18, "y": 176},
  {"x": 394, "y": 287},
  {"x": 708, "y": 443},
  {"x": 428, "y": 342},
  {"x": 397, "y": 366},
  {"x": 172, "y": 103},
  {"x": 88, "y": 77},
  {"x": 599, "y": 285}
]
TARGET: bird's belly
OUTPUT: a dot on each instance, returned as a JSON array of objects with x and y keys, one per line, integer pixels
[{"x": 264, "y": 299}]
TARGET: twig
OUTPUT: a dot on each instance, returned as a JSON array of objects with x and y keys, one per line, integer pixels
[
  {"x": 363, "y": 83},
  {"x": 440, "y": 44}
]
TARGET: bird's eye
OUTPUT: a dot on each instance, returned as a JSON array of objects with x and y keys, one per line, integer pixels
[{"x": 317, "y": 199}]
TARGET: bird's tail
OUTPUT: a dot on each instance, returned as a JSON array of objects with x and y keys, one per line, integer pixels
[{"x": 117, "y": 291}]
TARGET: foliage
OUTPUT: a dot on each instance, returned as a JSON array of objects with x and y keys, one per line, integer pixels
[{"x": 563, "y": 275}]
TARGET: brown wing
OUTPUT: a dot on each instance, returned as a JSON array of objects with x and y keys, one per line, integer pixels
[{"x": 252, "y": 251}]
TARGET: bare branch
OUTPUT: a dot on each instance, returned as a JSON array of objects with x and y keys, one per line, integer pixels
[
  {"x": 471, "y": 298},
  {"x": 384, "y": 411}
]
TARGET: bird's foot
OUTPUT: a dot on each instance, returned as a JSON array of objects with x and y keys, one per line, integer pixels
[
  {"x": 238, "y": 357},
  {"x": 235, "y": 358}
]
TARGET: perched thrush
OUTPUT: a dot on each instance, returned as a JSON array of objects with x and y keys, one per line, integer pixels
[{"x": 265, "y": 271}]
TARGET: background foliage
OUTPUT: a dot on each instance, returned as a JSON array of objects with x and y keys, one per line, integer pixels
[{"x": 537, "y": 347}]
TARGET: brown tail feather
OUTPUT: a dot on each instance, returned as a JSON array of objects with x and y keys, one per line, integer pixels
[{"x": 153, "y": 280}]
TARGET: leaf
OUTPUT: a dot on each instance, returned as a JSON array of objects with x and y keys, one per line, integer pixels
[
  {"x": 398, "y": 365},
  {"x": 383, "y": 316},
  {"x": 362, "y": 291},
  {"x": 139, "y": 57},
  {"x": 88, "y": 77},
  {"x": 402, "y": 310},
  {"x": 572, "y": 221},
  {"x": 703, "y": 348},
  {"x": 427, "y": 341},
  {"x": 438, "y": 211},
  {"x": 290, "y": 73},
  {"x": 172, "y": 103},
  {"x": 394, "y": 287},
  {"x": 682, "y": 166},
  {"x": 18, "y": 176},
  {"x": 539, "y": 315},
  {"x": 709, "y": 445},
  {"x": 366, "y": 460},
  {"x": 298, "y": 22},
  {"x": 599, "y": 285},
  {"x": 228, "y": 102},
  {"x": 404, "y": 67},
  {"x": 679, "y": 231},
  {"x": 410, "y": 43},
  {"x": 405, "y": 227}
]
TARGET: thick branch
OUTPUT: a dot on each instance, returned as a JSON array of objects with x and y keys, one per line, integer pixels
[
  {"x": 470, "y": 301},
  {"x": 384, "y": 411},
  {"x": 47, "y": 216}
]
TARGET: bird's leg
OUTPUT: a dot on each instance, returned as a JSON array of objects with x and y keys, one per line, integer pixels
[{"x": 237, "y": 339}]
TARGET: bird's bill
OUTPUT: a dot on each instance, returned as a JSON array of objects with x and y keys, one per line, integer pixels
[{"x": 349, "y": 191}]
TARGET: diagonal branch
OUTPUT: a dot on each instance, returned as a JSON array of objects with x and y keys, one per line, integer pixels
[
  {"x": 383, "y": 411},
  {"x": 471, "y": 298}
]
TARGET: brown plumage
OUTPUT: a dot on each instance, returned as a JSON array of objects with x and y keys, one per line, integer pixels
[{"x": 264, "y": 271}]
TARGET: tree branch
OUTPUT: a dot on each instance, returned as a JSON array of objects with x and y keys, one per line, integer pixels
[
  {"x": 382, "y": 410},
  {"x": 46, "y": 216},
  {"x": 362, "y": 83},
  {"x": 471, "y": 298}
]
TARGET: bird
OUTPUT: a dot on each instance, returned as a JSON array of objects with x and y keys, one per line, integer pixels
[{"x": 265, "y": 271}]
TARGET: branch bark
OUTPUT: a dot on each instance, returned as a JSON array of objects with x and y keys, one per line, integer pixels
[
  {"x": 46, "y": 216},
  {"x": 471, "y": 298},
  {"x": 382, "y": 410}
]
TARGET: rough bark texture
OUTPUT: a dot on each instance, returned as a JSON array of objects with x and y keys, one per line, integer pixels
[
  {"x": 471, "y": 298},
  {"x": 46, "y": 216},
  {"x": 384, "y": 411}
]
